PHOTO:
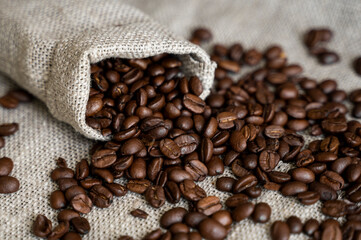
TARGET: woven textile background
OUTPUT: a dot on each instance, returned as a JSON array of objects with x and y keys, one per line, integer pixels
[{"x": 42, "y": 138}]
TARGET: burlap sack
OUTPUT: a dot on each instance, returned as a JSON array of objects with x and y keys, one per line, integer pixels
[
  {"x": 47, "y": 47},
  {"x": 42, "y": 138}
]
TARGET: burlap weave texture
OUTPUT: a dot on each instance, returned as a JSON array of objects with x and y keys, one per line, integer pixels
[
  {"x": 42, "y": 139},
  {"x": 47, "y": 47}
]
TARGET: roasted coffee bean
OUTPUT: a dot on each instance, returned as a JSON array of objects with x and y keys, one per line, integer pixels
[
  {"x": 42, "y": 226},
  {"x": 138, "y": 169},
  {"x": 90, "y": 182},
  {"x": 274, "y": 131},
  {"x": 242, "y": 211},
  {"x": 332, "y": 179},
  {"x": 308, "y": 197},
  {"x": 279, "y": 177},
  {"x": 223, "y": 217},
  {"x": 67, "y": 215},
  {"x": 304, "y": 175},
  {"x": 238, "y": 141},
  {"x": 326, "y": 192},
  {"x": 155, "y": 196},
  {"x": 117, "y": 189},
  {"x": 332, "y": 232},
  {"x": 81, "y": 203},
  {"x": 325, "y": 157},
  {"x": 139, "y": 213},
  {"x": 295, "y": 225},
  {"x": 101, "y": 196},
  {"x": 65, "y": 183},
  {"x": 9, "y": 102},
  {"x": 82, "y": 170},
  {"x": 280, "y": 231},
  {"x": 335, "y": 208},
  {"x": 8, "y": 129},
  {"x": 81, "y": 225},
  {"x": 328, "y": 57},
  {"x": 209, "y": 205},
  {"x": 169, "y": 148},
  {"x": 211, "y": 229},
  {"x": 261, "y": 213},
  {"x": 179, "y": 175},
  {"x": 59, "y": 231},
  {"x": 179, "y": 228},
  {"x": 225, "y": 184},
  {"x": 73, "y": 191},
  {"x": 253, "y": 192},
  {"x": 244, "y": 182},
  {"x": 310, "y": 226},
  {"x": 236, "y": 200},
  {"x": 6, "y": 166},
  {"x": 104, "y": 158},
  {"x": 196, "y": 169},
  {"x": 138, "y": 185},
  {"x": 153, "y": 235},
  {"x": 9, "y": 184},
  {"x": 268, "y": 160},
  {"x": 252, "y": 57},
  {"x": 202, "y": 34},
  {"x": 172, "y": 216},
  {"x": 57, "y": 199},
  {"x": 293, "y": 188},
  {"x": 191, "y": 191},
  {"x": 172, "y": 192},
  {"x": 61, "y": 172},
  {"x": 215, "y": 166},
  {"x": 353, "y": 172},
  {"x": 71, "y": 236}
]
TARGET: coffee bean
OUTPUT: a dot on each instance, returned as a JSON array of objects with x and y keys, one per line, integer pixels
[
  {"x": 172, "y": 216},
  {"x": 244, "y": 182},
  {"x": 59, "y": 231},
  {"x": 90, "y": 182},
  {"x": 295, "y": 225},
  {"x": 332, "y": 179},
  {"x": 280, "y": 231},
  {"x": 186, "y": 143},
  {"x": 215, "y": 166},
  {"x": 82, "y": 169},
  {"x": 332, "y": 232},
  {"x": 42, "y": 226},
  {"x": 131, "y": 146},
  {"x": 138, "y": 186},
  {"x": 268, "y": 160},
  {"x": 274, "y": 131},
  {"x": 310, "y": 226},
  {"x": 138, "y": 169},
  {"x": 169, "y": 148},
  {"x": 308, "y": 197},
  {"x": 303, "y": 175},
  {"x": 6, "y": 166},
  {"x": 9, "y": 184},
  {"x": 67, "y": 215},
  {"x": 238, "y": 141},
  {"x": 139, "y": 213},
  {"x": 202, "y": 34},
  {"x": 279, "y": 177},
  {"x": 81, "y": 225},
  {"x": 236, "y": 200},
  {"x": 334, "y": 208},
  {"x": 211, "y": 229},
  {"x": 104, "y": 158},
  {"x": 57, "y": 200},
  {"x": 61, "y": 172},
  {"x": 196, "y": 169},
  {"x": 293, "y": 188},
  {"x": 9, "y": 102},
  {"x": 225, "y": 184},
  {"x": 191, "y": 191},
  {"x": 261, "y": 213},
  {"x": 81, "y": 203},
  {"x": 172, "y": 192},
  {"x": 325, "y": 192},
  {"x": 72, "y": 236},
  {"x": 155, "y": 196},
  {"x": 223, "y": 217},
  {"x": 209, "y": 205},
  {"x": 242, "y": 211},
  {"x": 8, "y": 129},
  {"x": 252, "y": 57},
  {"x": 328, "y": 57}
]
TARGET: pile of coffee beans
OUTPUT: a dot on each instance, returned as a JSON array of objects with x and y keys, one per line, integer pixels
[
  {"x": 8, "y": 184},
  {"x": 315, "y": 40},
  {"x": 165, "y": 139}
]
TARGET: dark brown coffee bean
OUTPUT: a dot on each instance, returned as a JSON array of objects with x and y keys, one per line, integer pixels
[
  {"x": 334, "y": 208},
  {"x": 73, "y": 191},
  {"x": 94, "y": 105},
  {"x": 117, "y": 189},
  {"x": 308, "y": 197},
  {"x": 211, "y": 229},
  {"x": 65, "y": 183},
  {"x": 179, "y": 228},
  {"x": 9, "y": 184},
  {"x": 293, "y": 188},
  {"x": 196, "y": 169},
  {"x": 59, "y": 231},
  {"x": 244, "y": 183},
  {"x": 252, "y": 57},
  {"x": 326, "y": 192},
  {"x": 332, "y": 232},
  {"x": 280, "y": 231},
  {"x": 42, "y": 226},
  {"x": 242, "y": 211},
  {"x": 155, "y": 196},
  {"x": 274, "y": 131},
  {"x": 334, "y": 125},
  {"x": 138, "y": 170},
  {"x": 328, "y": 57},
  {"x": 90, "y": 182},
  {"x": 61, "y": 172},
  {"x": 9, "y": 102},
  {"x": 8, "y": 129},
  {"x": 153, "y": 235},
  {"x": 193, "y": 103},
  {"x": 139, "y": 213},
  {"x": 202, "y": 34},
  {"x": 209, "y": 205},
  {"x": 132, "y": 146},
  {"x": 81, "y": 225},
  {"x": 279, "y": 177},
  {"x": 225, "y": 184},
  {"x": 268, "y": 160},
  {"x": 295, "y": 225},
  {"x": 57, "y": 200},
  {"x": 172, "y": 216},
  {"x": 104, "y": 158},
  {"x": 82, "y": 169},
  {"x": 353, "y": 172},
  {"x": 191, "y": 191},
  {"x": 238, "y": 141},
  {"x": 101, "y": 196},
  {"x": 67, "y": 215},
  {"x": 138, "y": 185},
  {"x": 325, "y": 157},
  {"x": 332, "y": 179},
  {"x": 304, "y": 175},
  {"x": 169, "y": 148},
  {"x": 261, "y": 213},
  {"x": 215, "y": 166},
  {"x": 172, "y": 192},
  {"x": 310, "y": 226},
  {"x": 6, "y": 166},
  {"x": 179, "y": 175},
  {"x": 236, "y": 200},
  {"x": 81, "y": 203}
]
